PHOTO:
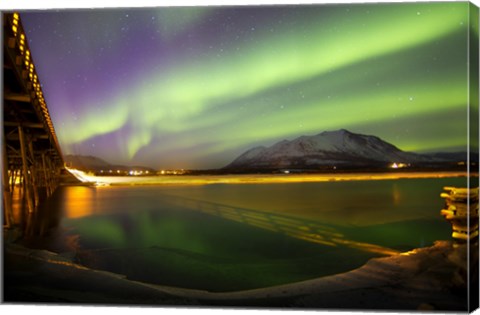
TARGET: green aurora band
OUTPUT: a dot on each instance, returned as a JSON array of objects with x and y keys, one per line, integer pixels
[{"x": 398, "y": 71}]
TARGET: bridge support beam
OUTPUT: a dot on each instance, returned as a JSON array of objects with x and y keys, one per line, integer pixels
[
  {"x": 7, "y": 195},
  {"x": 46, "y": 174},
  {"x": 34, "y": 175},
  {"x": 31, "y": 174},
  {"x": 26, "y": 175}
]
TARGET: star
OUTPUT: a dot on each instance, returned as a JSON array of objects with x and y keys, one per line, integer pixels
[{"x": 198, "y": 85}]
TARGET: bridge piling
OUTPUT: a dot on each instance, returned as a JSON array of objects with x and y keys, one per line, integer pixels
[
  {"x": 7, "y": 194},
  {"x": 45, "y": 175},
  {"x": 34, "y": 175},
  {"x": 25, "y": 175}
]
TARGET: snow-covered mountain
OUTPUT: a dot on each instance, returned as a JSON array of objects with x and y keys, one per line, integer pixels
[{"x": 339, "y": 147}]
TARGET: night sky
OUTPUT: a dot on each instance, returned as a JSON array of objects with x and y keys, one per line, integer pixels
[{"x": 195, "y": 87}]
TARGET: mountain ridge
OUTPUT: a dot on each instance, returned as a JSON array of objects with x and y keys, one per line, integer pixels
[
  {"x": 96, "y": 164},
  {"x": 330, "y": 148}
]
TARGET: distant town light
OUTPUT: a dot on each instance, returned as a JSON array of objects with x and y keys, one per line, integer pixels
[{"x": 399, "y": 165}]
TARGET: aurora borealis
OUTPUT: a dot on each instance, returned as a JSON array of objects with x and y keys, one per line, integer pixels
[{"x": 194, "y": 87}]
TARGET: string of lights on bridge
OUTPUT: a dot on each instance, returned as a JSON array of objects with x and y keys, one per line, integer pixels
[{"x": 28, "y": 69}]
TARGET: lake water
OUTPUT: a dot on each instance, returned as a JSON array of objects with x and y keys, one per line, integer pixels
[{"x": 227, "y": 237}]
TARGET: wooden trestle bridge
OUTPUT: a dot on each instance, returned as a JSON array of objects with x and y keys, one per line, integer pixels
[{"x": 32, "y": 159}]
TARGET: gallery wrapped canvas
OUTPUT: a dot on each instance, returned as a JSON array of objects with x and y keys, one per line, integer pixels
[{"x": 299, "y": 157}]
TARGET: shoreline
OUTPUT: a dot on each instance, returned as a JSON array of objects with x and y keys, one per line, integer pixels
[{"x": 423, "y": 279}]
